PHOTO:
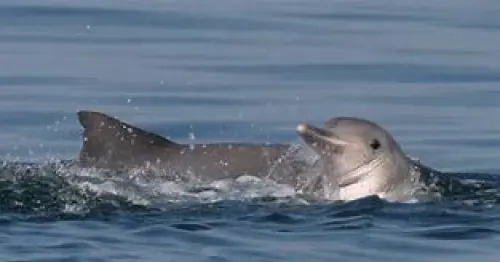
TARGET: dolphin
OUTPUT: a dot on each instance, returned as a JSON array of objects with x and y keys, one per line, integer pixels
[
  {"x": 111, "y": 143},
  {"x": 357, "y": 158},
  {"x": 360, "y": 159}
]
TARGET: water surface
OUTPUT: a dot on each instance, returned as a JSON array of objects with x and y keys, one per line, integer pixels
[{"x": 223, "y": 70}]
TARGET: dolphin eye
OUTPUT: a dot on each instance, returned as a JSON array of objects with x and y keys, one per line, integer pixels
[{"x": 375, "y": 144}]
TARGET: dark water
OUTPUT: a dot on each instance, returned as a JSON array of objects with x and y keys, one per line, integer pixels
[{"x": 429, "y": 71}]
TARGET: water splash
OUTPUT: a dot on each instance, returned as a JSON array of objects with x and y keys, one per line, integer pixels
[{"x": 56, "y": 187}]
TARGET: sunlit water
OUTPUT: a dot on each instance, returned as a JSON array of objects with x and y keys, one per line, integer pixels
[{"x": 428, "y": 71}]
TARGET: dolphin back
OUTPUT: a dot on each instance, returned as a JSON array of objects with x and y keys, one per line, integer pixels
[{"x": 109, "y": 142}]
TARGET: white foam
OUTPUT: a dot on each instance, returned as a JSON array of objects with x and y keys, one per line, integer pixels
[
  {"x": 149, "y": 186},
  {"x": 138, "y": 189}
]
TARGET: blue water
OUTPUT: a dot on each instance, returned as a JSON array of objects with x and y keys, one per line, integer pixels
[{"x": 428, "y": 71}]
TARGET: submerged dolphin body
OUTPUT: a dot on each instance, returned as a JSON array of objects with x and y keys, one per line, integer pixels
[
  {"x": 360, "y": 159},
  {"x": 111, "y": 143}
]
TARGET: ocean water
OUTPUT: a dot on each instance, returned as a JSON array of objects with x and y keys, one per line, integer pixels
[{"x": 208, "y": 71}]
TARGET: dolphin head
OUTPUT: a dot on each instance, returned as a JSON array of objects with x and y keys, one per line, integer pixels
[{"x": 360, "y": 158}]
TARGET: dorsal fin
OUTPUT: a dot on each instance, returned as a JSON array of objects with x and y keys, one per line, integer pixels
[{"x": 109, "y": 141}]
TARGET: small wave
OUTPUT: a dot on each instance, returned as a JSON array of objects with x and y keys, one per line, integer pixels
[
  {"x": 62, "y": 188},
  {"x": 57, "y": 188}
]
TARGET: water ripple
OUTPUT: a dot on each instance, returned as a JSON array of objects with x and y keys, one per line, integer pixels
[
  {"x": 380, "y": 72},
  {"x": 244, "y": 70}
]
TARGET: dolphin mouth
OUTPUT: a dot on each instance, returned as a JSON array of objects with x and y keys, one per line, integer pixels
[
  {"x": 319, "y": 137},
  {"x": 358, "y": 173}
]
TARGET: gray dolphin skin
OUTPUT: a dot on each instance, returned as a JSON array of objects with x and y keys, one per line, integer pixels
[
  {"x": 361, "y": 159},
  {"x": 356, "y": 158},
  {"x": 111, "y": 143}
]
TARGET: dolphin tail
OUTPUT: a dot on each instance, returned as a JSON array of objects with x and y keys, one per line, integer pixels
[{"x": 108, "y": 141}]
